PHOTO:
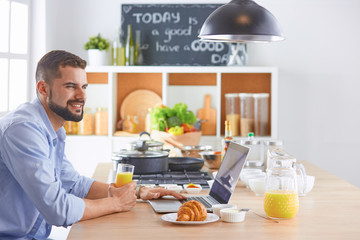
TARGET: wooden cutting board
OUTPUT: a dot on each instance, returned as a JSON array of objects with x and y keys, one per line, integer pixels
[
  {"x": 137, "y": 104},
  {"x": 208, "y": 117}
]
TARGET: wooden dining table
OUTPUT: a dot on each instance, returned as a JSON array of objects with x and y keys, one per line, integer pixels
[{"x": 330, "y": 211}]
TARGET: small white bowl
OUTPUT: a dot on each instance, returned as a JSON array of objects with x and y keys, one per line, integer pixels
[
  {"x": 255, "y": 175},
  {"x": 232, "y": 215},
  {"x": 257, "y": 185},
  {"x": 217, "y": 207},
  {"x": 310, "y": 180},
  {"x": 193, "y": 190},
  {"x": 175, "y": 188}
]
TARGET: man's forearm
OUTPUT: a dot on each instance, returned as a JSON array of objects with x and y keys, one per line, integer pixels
[
  {"x": 98, "y": 190},
  {"x": 98, "y": 207}
]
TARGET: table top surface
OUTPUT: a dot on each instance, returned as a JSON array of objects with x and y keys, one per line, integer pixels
[{"x": 329, "y": 211}]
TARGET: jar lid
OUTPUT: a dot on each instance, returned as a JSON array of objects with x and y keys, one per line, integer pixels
[
  {"x": 273, "y": 142},
  {"x": 245, "y": 95},
  {"x": 261, "y": 95},
  {"x": 231, "y": 95},
  {"x": 250, "y": 142},
  {"x": 87, "y": 109},
  {"x": 99, "y": 109}
]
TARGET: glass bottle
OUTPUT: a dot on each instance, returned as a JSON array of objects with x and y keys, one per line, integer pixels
[
  {"x": 227, "y": 138},
  {"x": 86, "y": 125},
  {"x": 135, "y": 124},
  {"x": 118, "y": 50},
  {"x": 255, "y": 158},
  {"x": 129, "y": 48},
  {"x": 139, "y": 58},
  {"x": 127, "y": 124},
  {"x": 148, "y": 121},
  {"x": 101, "y": 121}
]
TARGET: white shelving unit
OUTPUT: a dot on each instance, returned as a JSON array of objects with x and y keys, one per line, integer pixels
[{"x": 97, "y": 146}]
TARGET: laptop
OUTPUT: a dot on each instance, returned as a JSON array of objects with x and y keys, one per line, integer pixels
[{"x": 222, "y": 188}]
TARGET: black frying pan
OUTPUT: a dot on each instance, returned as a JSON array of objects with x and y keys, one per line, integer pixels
[{"x": 185, "y": 163}]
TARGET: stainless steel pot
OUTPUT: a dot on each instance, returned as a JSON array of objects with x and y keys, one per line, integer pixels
[{"x": 146, "y": 162}]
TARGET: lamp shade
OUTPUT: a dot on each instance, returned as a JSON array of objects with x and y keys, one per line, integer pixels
[{"x": 241, "y": 21}]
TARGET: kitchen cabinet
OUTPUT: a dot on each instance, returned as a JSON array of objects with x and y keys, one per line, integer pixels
[{"x": 109, "y": 85}]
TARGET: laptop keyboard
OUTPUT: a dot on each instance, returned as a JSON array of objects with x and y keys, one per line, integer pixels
[{"x": 205, "y": 200}]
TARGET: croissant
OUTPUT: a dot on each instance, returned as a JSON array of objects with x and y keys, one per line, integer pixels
[{"x": 191, "y": 211}]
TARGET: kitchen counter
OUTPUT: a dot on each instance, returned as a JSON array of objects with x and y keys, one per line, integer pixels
[{"x": 329, "y": 211}]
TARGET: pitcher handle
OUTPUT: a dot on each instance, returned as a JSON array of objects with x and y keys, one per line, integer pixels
[{"x": 301, "y": 169}]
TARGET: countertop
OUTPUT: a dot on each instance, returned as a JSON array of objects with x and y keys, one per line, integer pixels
[{"x": 329, "y": 211}]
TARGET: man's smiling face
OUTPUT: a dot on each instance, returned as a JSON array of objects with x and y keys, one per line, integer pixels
[{"x": 68, "y": 94}]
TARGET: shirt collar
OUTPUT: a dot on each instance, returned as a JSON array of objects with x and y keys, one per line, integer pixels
[{"x": 61, "y": 134}]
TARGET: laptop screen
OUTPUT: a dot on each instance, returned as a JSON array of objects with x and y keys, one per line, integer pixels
[{"x": 229, "y": 172}]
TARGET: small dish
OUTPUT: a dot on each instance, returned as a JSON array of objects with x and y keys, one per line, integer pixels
[
  {"x": 217, "y": 208},
  {"x": 175, "y": 188},
  {"x": 193, "y": 190},
  {"x": 232, "y": 215}
]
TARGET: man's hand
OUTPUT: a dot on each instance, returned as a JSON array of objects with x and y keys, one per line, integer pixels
[
  {"x": 124, "y": 197},
  {"x": 153, "y": 193}
]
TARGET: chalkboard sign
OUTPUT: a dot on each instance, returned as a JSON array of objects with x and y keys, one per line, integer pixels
[{"x": 169, "y": 34}]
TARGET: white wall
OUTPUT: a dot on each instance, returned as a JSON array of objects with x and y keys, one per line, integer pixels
[{"x": 319, "y": 69}]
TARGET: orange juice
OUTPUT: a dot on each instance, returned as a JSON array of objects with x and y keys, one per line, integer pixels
[
  {"x": 123, "y": 178},
  {"x": 281, "y": 204}
]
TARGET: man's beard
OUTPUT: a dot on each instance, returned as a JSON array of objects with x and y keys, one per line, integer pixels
[{"x": 64, "y": 112}]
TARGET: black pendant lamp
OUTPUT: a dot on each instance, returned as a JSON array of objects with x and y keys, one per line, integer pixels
[{"x": 241, "y": 21}]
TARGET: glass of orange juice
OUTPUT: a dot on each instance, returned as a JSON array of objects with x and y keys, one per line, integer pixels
[
  {"x": 281, "y": 196},
  {"x": 124, "y": 174}
]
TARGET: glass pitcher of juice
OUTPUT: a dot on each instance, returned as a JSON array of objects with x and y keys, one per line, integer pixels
[
  {"x": 281, "y": 194},
  {"x": 278, "y": 158}
]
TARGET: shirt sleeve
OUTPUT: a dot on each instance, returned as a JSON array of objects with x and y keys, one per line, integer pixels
[
  {"x": 28, "y": 154},
  {"x": 72, "y": 181}
]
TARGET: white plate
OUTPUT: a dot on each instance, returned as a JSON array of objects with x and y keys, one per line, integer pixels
[{"x": 171, "y": 217}]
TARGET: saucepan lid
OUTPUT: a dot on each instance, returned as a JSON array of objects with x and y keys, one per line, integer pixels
[
  {"x": 144, "y": 144},
  {"x": 139, "y": 154}
]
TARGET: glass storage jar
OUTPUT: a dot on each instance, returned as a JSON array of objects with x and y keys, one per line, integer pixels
[
  {"x": 261, "y": 114},
  {"x": 233, "y": 112},
  {"x": 101, "y": 121},
  {"x": 86, "y": 125},
  {"x": 246, "y": 114}
]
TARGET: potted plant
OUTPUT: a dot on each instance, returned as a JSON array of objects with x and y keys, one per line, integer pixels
[{"x": 97, "y": 50}]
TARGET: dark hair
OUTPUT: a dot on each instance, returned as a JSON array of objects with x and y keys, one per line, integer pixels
[{"x": 48, "y": 66}]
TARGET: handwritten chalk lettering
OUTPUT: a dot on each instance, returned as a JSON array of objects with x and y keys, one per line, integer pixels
[
  {"x": 157, "y": 18},
  {"x": 217, "y": 58},
  {"x": 193, "y": 21},
  {"x": 155, "y": 32},
  {"x": 169, "y": 32},
  {"x": 201, "y": 46},
  {"x": 166, "y": 48},
  {"x": 187, "y": 48}
]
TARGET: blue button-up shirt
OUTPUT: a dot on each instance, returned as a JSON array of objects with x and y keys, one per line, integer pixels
[{"x": 38, "y": 185}]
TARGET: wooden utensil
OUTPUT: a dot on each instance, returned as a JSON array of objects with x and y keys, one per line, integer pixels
[
  {"x": 174, "y": 143},
  {"x": 208, "y": 127}
]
